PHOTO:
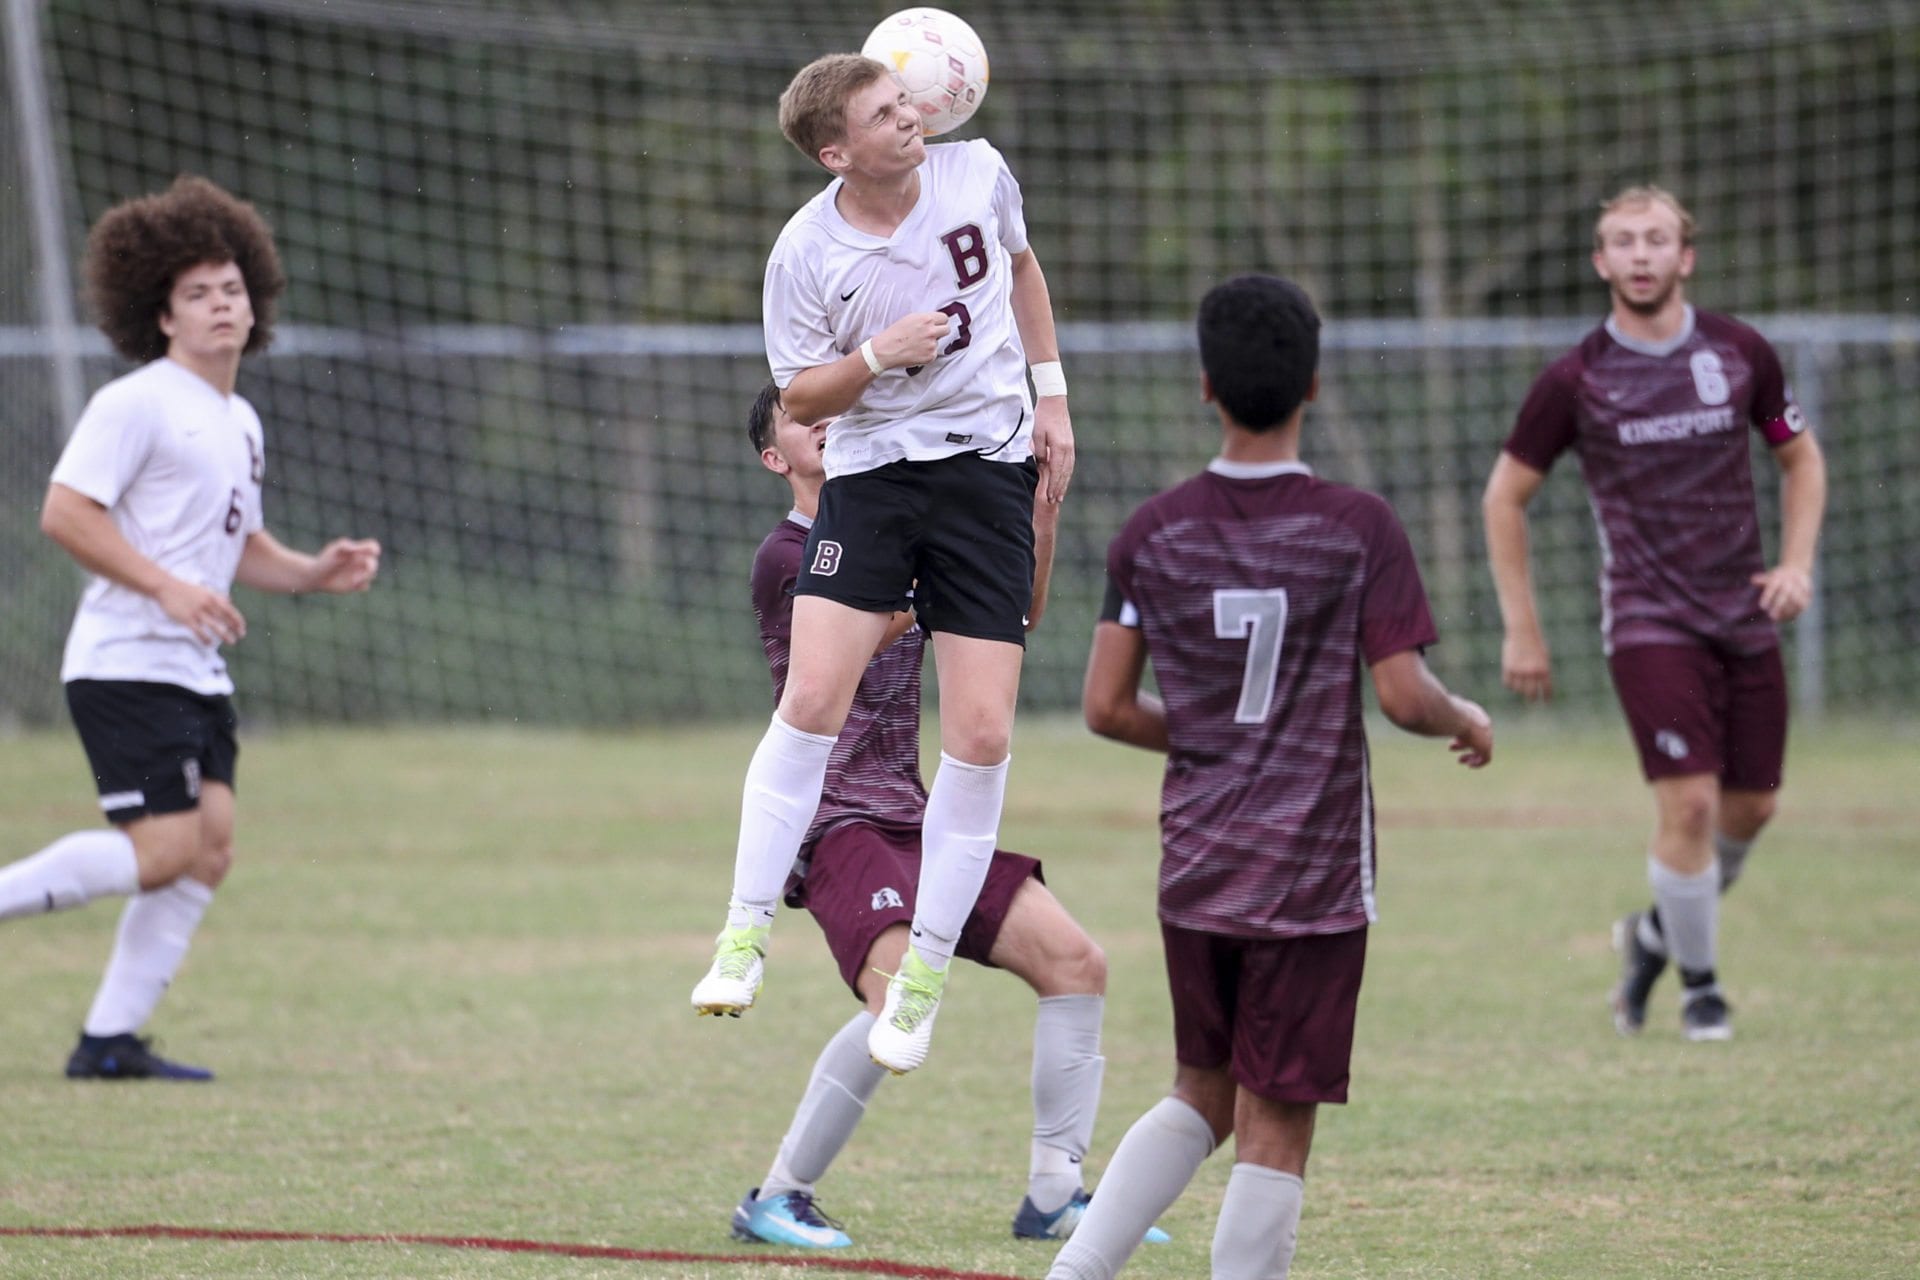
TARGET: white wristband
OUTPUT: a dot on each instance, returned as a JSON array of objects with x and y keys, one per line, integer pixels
[
  {"x": 873, "y": 361},
  {"x": 1048, "y": 379}
]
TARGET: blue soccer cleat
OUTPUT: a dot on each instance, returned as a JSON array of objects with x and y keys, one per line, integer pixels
[
  {"x": 792, "y": 1219},
  {"x": 126, "y": 1057},
  {"x": 1031, "y": 1224}
]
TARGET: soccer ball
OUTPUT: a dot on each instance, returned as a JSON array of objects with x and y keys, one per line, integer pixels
[{"x": 938, "y": 59}]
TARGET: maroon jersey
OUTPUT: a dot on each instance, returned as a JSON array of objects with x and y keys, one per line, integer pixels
[
  {"x": 1659, "y": 433},
  {"x": 1260, "y": 591},
  {"x": 874, "y": 772}
]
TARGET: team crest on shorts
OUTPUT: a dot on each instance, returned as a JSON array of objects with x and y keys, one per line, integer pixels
[
  {"x": 1671, "y": 744},
  {"x": 887, "y": 897},
  {"x": 190, "y": 770}
]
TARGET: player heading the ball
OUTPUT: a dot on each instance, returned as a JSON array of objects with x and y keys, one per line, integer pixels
[{"x": 904, "y": 302}]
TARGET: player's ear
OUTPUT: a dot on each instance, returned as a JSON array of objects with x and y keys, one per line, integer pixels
[
  {"x": 833, "y": 158},
  {"x": 770, "y": 459},
  {"x": 1686, "y": 262},
  {"x": 1600, "y": 265},
  {"x": 1313, "y": 387},
  {"x": 1206, "y": 388}
]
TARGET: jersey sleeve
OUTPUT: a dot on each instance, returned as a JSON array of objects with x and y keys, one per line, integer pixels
[
  {"x": 776, "y": 567},
  {"x": 1773, "y": 411},
  {"x": 255, "y": 518},
  {"x": 1394, "y": 614},
  {"x": 1546, "y": 424},
  {"x": 1008, "y": 207},
  {"x": 794, "y": 320},
  {"x": 107, "y": 449},
  {"x": 1119, "y": 604}
]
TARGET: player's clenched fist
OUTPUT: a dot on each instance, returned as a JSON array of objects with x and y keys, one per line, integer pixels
[{"x": 912, "y": 340}]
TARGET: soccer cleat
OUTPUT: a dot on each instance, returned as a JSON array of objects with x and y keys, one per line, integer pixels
[
  {"x": 793, "y": 1219},
  {"x": 126, "y": 1057},
  {"x": 1031, "y": 1224},
  {"x": 739, "y": 964},
  {"x": 1706, "y": 1016},
  {"x": 903, "y": 1032},
  {"x": 1639, "y": 969}
]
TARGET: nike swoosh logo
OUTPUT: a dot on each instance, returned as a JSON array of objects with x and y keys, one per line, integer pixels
[{"x": 849, "y": 293}]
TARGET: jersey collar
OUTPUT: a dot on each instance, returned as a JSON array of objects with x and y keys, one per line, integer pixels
[
  {"x": 1666, "y": 348},
  {"x": 805, "y": 522},
  {"x": 1257, "y": 470}
]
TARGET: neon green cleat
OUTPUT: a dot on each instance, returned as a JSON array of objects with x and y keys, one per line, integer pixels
[
  {"x": 904, "y": 1032},
  {"x": 739, "y": 965}
]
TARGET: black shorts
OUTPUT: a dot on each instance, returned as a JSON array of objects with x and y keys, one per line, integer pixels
[
  {"x": 151, "y": 745},
  {"x": 953, "y": 537}
]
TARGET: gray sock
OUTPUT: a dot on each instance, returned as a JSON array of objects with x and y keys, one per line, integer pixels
[
  {"x": 1150, "y": 1168},
  {"x": 1259, "y": 1221},
  {"x": 1733, "y": 856},
  {"x": 843, "y": 1080},
  {"x": 1689, "y": 913},
  {"x": 1067, "y": 1069}
]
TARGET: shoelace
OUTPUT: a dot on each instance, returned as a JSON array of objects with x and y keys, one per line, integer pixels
[
  {"x": 917, "y": 1000},
  {"x": 807, "y": 1211},
  {"x": 736, "y": 961}
]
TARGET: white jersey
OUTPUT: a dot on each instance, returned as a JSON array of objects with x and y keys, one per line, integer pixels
[
  {"x": 178, "y": 466},
  {"x": 830, "y": 287}
]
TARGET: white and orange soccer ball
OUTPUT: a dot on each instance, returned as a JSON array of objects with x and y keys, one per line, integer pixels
[{"x": 940, "y": 61}]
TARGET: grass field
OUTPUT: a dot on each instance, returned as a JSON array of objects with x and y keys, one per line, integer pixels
[{"x": 446, "y": 994}]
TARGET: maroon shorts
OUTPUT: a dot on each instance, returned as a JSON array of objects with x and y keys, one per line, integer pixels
[
  {"x": 864, "y": 879},
  {"x": 1278, "y": 1011},
  {"x": 1697, "y": 710}
]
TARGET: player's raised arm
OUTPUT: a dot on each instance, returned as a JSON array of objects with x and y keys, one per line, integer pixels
[
  {"x": 1525, "y": 664},
  {"x": 827, "y": 390}
]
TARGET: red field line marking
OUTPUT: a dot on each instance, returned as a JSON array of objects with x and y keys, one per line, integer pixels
[{"x": 847, "y": 1266}]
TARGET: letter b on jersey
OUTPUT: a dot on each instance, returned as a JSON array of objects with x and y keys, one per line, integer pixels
[
  {"x": 826, "y": 559},
  {"x": 967, "y": 247}
]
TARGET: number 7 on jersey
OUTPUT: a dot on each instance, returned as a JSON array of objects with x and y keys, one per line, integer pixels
[{"x": 1260, "y": 618}]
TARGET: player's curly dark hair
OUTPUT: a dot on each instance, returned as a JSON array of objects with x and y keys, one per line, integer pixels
[
  {"x": 139, "y": 248},
  {"x": 760, "y": 416},
  {"x": 1260, "y": 346}
]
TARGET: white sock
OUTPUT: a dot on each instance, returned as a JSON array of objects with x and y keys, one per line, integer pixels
[
  {"x": 154, "y": 932},
  {"x": 1259, "y": 1221},
  {"x": 1067, "y": 1070},
  {"x": 777, "y": 804},
  {"x": 1150, "y": 1168},
  {"x": 1689, "y": 913},
  {"x": 958, "y": 834},
  {"x": 70, "y": 872},
  {"x": 843, "y": 1081}
]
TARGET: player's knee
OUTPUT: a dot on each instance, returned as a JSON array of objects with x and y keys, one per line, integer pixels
[
  {"x": 980, "y": 744},
  {"x": 161, "y": 865},
  {"x": 1743, "y": 818},
  {"x": 1689, "y": 813},
  {"x": 212, "y": 863},
  {"x": 1081, "y": 967}
]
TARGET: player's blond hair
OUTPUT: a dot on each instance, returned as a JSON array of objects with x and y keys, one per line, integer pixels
[
  {"x": 1646, "y": 193},
  {"x": 813, "y": 109}
]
